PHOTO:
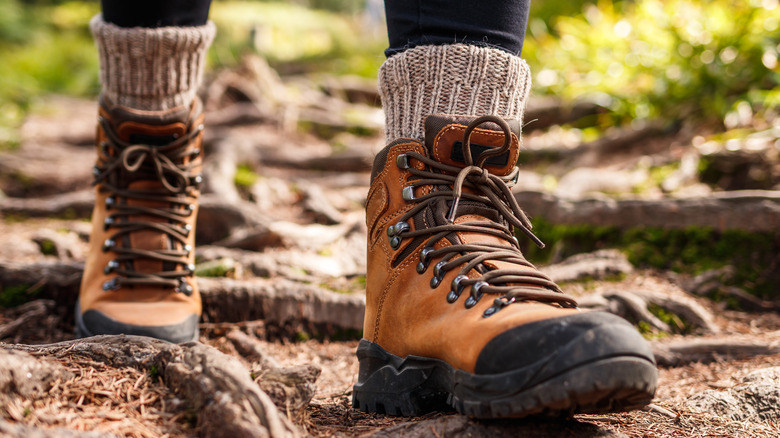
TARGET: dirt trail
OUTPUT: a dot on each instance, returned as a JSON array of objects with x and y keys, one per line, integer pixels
[{"x": 279, "y": 233}]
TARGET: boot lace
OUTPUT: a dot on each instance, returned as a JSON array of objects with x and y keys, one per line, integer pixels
[
  {"x": 173, "y": 166},
  {"x": 488, "y": 192}
]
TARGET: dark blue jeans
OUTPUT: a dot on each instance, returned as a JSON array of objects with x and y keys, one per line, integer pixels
[{"x": 410, "y": 23}]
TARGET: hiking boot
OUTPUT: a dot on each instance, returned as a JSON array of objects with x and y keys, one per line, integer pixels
[
  {"x": 138, "y": 277},
  {"x": 456, "y": 317}
]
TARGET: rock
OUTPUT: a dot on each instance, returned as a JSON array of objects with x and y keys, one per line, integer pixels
[
  {"x": 316, "y": 204},
  {"x": 65, "y": 246},
  {"x": 595, "y": 265},
  {"x": 459, "y": 426},
  {"x": 756, "y": 399},
  {"x": 215, "y": 386},
  {"x": 22, "y": 375}
]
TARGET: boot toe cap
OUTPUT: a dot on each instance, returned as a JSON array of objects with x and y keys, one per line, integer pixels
[
  {"x": 94, "y": 322},
  {"x": 553, "y": 346}
]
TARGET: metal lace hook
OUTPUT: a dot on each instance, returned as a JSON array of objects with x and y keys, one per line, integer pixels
[{"x": 492, "y": 151}]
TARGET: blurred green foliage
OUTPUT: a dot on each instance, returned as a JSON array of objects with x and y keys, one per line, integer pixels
[
  {"x": 674, "y": 59},
  {"x": 669, "y": 59}
]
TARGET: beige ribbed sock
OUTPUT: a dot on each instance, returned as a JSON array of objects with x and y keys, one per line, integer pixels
[
  {"x": 151, "y": 68},
  {"x": 457, "y": 79}
]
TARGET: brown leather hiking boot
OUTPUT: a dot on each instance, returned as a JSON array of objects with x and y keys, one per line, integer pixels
[
  {"x": 138, "y": 274},
  {"x": 455, "y": 315}
]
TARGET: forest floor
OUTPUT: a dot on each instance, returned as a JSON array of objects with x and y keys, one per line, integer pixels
[{"x": 283, "y": 226}]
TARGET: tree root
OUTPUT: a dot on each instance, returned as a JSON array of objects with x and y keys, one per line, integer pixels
[{"x": 216, "y": 386}]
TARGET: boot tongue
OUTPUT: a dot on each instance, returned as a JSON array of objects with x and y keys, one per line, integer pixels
[
  {"x": 155, "y": 128},
  {"x": 444, "y": 141}
]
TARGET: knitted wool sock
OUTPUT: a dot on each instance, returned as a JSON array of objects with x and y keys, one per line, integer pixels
[
  {"x": 457, "y": 79},
  {"x": 151, "y": 68}
]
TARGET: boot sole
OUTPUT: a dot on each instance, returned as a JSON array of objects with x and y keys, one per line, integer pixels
[{"x": 416, "y": 385}]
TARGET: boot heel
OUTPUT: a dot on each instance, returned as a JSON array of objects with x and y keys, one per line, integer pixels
[{"x": 391, "y": 385}]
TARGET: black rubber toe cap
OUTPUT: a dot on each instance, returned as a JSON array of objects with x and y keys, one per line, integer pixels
[
  {"x": 92, "y": 323},
  {"x": 552, "y": 346}
]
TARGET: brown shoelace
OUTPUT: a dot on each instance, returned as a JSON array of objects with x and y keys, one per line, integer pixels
[
  {"x": 487, "y": 192},
  {"x": 164, "y": 164}
]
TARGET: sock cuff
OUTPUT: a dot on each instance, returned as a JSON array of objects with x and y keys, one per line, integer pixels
[
  {"x": 460, "y": 79},
  {"x": 151, "y": 68}
]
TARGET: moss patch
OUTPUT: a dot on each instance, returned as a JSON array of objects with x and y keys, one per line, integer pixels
[{"x": 755, "y": 257}]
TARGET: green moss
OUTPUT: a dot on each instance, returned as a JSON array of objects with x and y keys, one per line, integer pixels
[
  {"x": 154, "y": 372},
  {"x": 692, "y": 250},
  {"x": 12, "y": 296},
  {"x": 48, "y": 247},
  {"x": 245, "y": 176},
  {"x": 216, "y": 268}
]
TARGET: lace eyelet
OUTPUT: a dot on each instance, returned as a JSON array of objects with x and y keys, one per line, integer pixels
[
  {"x": 184, "y": 287},
  {"x": 108, "y": 244},
  {"x": 498, "y": 304},
  {"x": 112, "y": 284},
  {"x": 435, "y": 282},
  {"x": 407, "y": 194},
  {"x": 475, "y": 295},
  {"x": 110, "y": 267},
  {"x": 108, "y": 223},
  {"x": 190, "y": 267},
  {"x": 437, "y": 269},
  {"x": 402, "y": 161},
  {"x": 197, "y": 179},
  {"x": 394, "y": 231},
  {"x": 456, "y": 288},
  {"x": 95, "y": 171},
  {"x": 188, "y": 248},
  {"x": 110, "y": 202},
  {"x": 425, "y": 259}
]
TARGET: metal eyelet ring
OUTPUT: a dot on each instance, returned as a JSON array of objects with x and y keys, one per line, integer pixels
[
  {"x": 108, "y": 223},
  {"x": 104, "y": 148},
  {"x": 197, "y": 179},
  {"x": 395, "y": 242},
  {"x": 112, "y": 284},
  {"x": 110, "y": 266},
  {"x": 184, "y": 287},
  {"x": 108, "y": 244},
  {"x": 407, "y": 194},
  {"x": 437, "y": 269},
  {"x": 110, "y": 202},
  {"x": 95, "y": 171},
  {"x": 402, "y": 161},
  {"x": 498, "y": 304},
  {"x": 457, "y": 287},
  {"x": 188, "y": 248},
  {"x": 438, "y": 274},
  {"x": 425, "y": 259},
  {"x": 475, "y": 294},
  {"x": 190, "y": 267}
]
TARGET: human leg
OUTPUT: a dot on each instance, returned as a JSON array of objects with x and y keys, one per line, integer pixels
[
  {"x": 456, "y": 317},
  {"x": 138, "y": 273}
]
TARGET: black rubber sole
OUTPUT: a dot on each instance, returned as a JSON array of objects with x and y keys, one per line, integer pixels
[
  {"x": 186, "y": 332},
  {"x": 416, "y": 385}
]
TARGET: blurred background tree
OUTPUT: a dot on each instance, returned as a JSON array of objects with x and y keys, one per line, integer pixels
[{"x": 702, "y": 61}]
